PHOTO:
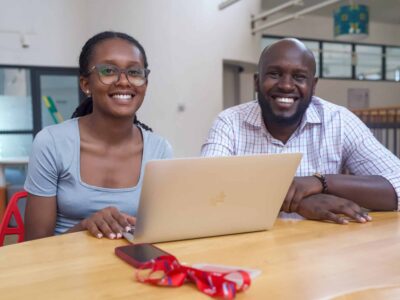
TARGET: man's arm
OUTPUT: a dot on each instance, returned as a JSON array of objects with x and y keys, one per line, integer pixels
[
  {"x": 373, "y": 192},
  {"x": 375, "y": 185}
]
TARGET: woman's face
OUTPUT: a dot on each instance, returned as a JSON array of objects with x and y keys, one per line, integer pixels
[{"x": 121, "y": 98}]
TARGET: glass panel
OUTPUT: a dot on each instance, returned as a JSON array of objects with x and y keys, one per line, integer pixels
[
  {"x": 15, "y": 145},
  {"x": 15, "y": 99},
  {"x": 369, "y": 62},
  {"x": 60, "y": 97},
  {"x": 336, "y": 60},
  {"x": 393, "y": 63},
  {"x": 314, "y": 47},
  {"x": 266, "y": 41}
]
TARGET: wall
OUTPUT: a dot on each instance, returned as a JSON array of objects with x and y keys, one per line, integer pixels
[
  {"x": 305, "y": 27},
  {"x": 55, "y": 31},
  {"x": 380, "y": 93}
]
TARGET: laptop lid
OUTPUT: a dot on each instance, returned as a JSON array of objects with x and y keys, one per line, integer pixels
[{"x": 209, "y": 196}]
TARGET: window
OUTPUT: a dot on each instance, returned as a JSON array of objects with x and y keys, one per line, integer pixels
[
  {"x": 267, "y": 41},
  {"x": 349, "y": 60},
  {"x": 336, "y": 60},
  {"x": 393, "y": 63},
  {"x": 368, "y": 62},
  {"x": 22, "y": 109},
  {"x": 63, "y": 91},
  {"x": 16, "y": 123},
  {"x": 314, "y": 47}
]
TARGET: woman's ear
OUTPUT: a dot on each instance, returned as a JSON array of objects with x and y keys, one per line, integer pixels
[{"x": 84, "y": 84}]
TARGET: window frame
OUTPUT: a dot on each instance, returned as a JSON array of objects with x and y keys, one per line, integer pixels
[
  {"x": 35, "y": 73},
  {"x": 384, "y": 61},
  {"x": 353, "y": 47}
]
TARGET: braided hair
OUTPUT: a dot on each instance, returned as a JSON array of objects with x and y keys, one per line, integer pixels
[{"x": 86, "y": 106}]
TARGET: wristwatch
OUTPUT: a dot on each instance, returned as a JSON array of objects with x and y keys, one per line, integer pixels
[{"x": 322, "y": 179}]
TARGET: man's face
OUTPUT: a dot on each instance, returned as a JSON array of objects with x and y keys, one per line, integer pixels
[{"x": 285, "y": 83}]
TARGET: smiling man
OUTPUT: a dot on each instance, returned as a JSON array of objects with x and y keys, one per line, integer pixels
[{"x": 286, "y": 118}]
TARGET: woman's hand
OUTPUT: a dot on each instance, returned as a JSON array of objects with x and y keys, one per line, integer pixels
[
  {"x": 109, "y": 222},
  {"x": 330, "y": 208},
  {"x": 300, "y": 188}
]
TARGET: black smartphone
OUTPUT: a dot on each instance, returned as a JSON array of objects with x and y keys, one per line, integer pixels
[{"x": 138, "y": 254}]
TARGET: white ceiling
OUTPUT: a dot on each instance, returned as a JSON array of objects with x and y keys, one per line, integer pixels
[{"x": 384, "y": 11}]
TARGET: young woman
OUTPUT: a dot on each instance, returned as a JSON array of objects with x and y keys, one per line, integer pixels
[{"x": 86, "y": 173}]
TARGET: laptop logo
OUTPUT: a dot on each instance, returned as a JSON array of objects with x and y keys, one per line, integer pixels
[{"x": 218, "y": 199}]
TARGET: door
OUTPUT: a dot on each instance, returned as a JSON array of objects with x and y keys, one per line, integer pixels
[
  {"x": 56, "y": 98},
  {"x": 238, "y": 82}
]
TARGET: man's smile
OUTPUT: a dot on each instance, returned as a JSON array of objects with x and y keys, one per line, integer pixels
[
  {"x": 286, "y": 102},
  {"x": 283, "y": 102}
]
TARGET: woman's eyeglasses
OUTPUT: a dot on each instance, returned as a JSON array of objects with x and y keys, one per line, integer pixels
[{"x": 110, "y": 74}]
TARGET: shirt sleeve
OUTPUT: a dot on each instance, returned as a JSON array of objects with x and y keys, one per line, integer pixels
[
  {"x": 365, "y": 155},
  {"x": 220, "y": 140},
  {"x": 42, "y": 173},
  {"x": 168, "y": 152}
]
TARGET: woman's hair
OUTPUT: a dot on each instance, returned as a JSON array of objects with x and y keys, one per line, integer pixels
[{"x": 86, "y": 107}]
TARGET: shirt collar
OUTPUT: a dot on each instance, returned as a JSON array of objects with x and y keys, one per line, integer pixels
[
  {"x": 312, "y": 114},
  {"x": 253, "y": 117}
]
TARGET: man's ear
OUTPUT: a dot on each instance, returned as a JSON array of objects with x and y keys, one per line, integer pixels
[
  {"x": 256, "y": 85},
  {"x": 84, "y": 84},
  {"x": 315, "y": 81}
]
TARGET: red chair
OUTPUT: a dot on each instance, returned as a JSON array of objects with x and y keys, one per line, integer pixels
[{"x": 12, "y": 209}]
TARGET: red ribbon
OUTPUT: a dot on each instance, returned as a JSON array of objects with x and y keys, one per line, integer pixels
[{"x": 167, "y": 271}]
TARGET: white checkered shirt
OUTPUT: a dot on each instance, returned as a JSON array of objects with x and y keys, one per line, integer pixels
[{"x": 330, "y": 137}]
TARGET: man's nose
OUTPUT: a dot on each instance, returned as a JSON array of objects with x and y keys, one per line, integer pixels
[{"x": 286, "y": 83}]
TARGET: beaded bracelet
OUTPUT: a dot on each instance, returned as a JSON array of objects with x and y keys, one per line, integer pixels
[{"x": 322, "y": 179}]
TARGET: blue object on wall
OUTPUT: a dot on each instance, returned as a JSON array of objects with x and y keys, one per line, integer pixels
[{"x": 351, "y": 22}]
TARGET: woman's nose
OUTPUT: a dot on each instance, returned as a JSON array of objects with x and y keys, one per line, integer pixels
[{"x": 123, "y": 79}]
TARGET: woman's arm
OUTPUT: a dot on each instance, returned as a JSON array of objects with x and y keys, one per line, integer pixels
[
  {"x": 41, "y": 214},
  {"x": 40, "y": 217}
]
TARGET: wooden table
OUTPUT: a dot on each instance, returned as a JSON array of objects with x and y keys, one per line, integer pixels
[{"x": 299, "y": 259}]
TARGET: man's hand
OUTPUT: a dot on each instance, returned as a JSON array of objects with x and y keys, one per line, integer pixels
[
  {"x": 300, "y": 188},
  {"x": 109, "y": 222},
  {"x": 329, "y": 207}
]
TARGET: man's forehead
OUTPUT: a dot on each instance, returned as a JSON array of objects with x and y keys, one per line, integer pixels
[{"x": 287, "y": 51}]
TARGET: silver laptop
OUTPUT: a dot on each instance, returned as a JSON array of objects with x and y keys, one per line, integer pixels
[{"x": 202, "y": 197}]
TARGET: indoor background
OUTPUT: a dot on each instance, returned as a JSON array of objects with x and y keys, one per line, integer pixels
[{"x": 202, "y": 59}]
